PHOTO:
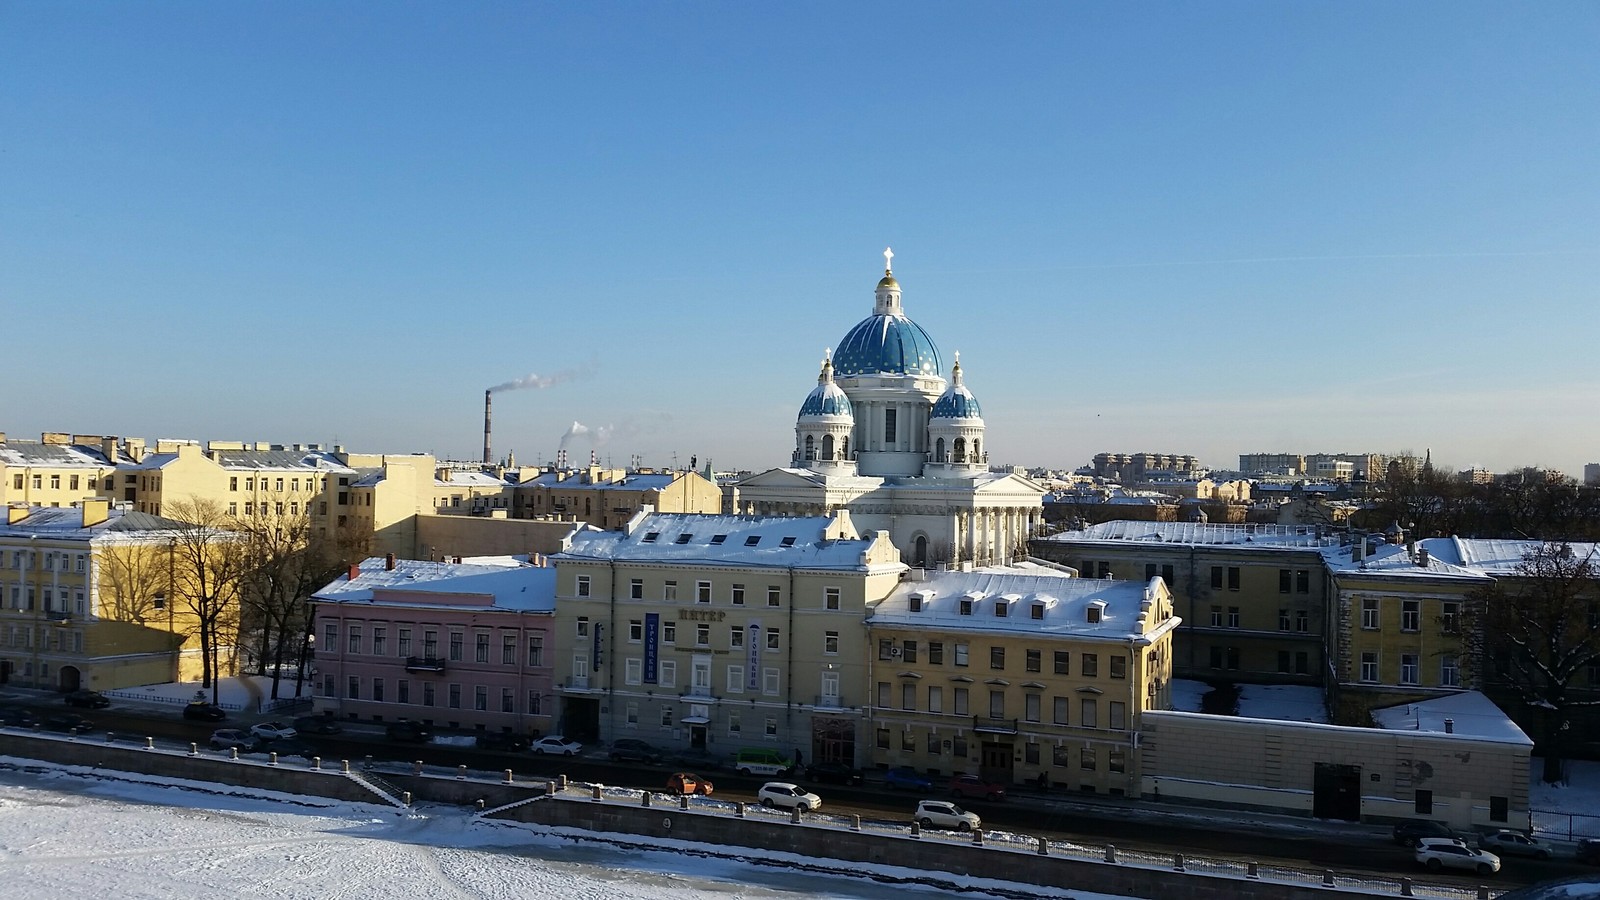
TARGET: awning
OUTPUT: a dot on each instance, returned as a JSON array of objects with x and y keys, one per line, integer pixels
[{"x": 695, "y": 720}]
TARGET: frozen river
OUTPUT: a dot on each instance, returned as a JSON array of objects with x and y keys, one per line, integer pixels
[{"x": 75, "y": 836}]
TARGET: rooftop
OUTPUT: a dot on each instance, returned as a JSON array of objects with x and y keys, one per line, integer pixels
[
  {"x": 1199, "y": 534},
  {"x": 511, "y": 584},
  {"x": 1065, "y": 603},
  {"x": 801, "y": 542}
]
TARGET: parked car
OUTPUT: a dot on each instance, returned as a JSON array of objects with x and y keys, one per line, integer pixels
[
  {"x": 67, "y": 722},
  {"x": 555, "y": 743},
  {"x": 318, "y": 725},
  {"x": 1450, "y": 853},
  {"x": 633, "y": 750},
  {"x": 973, "y": 786},
  {"x": 233, "y": 739},
  {"x": 905, "y": 778},
  {"x": 834, "y": 773},
  {"x": 944, "y": 814},
  {"x": 688, "y": 783},
  {"x": 783, "y": 795},
  {"x": 1589, "y": 851},
  {"x": 1407, "y": 833},
  {"x": 699, "y": 761},
  {"x": 288, "y": 747},
  {"x": 273, "y": 731},
  {"x": 409, "y": 732},
  {"x": 18, "y": 717},
  {"x": 503, "y": 741},
  {"x": 205, "y": 712},
  {"x": 1505, "y": 842},
  {"x": 87, "y": 699}
]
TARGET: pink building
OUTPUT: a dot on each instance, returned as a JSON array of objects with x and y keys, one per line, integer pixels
[{"x": 457, "y": 645}]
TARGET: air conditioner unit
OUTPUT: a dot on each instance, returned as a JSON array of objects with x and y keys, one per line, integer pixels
[{"x": 894, "y": 651}]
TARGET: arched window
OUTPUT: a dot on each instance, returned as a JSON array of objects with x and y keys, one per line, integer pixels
[
  {"x": 811, "y": 448},
  {"x": 938, "y": 450},
  {"x": 844, "y": 448},
  {"x": 961, "y": 450},
  {"x": 976, "y": 456},
  {"x": 920, "y": 556},
  {"x": 827, "y": 447}
]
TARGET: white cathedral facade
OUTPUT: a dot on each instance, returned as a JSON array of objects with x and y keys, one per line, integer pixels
[{"x": 885, "y": 436}]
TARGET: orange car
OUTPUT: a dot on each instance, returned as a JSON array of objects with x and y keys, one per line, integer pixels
[{"x": 688, "y": 783}]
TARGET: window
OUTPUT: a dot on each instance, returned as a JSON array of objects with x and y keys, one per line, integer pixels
[
  {"x": 702, "y": 635},
  {"x": 1089, "y": 712},
  {"x": 774, "y": 595},
  {"x": 774, "y": 639},
  {"x": 536, "y": 650},
  {"x": 914, "y": 603},
  {"x": 454, "y": 697},
  {"x": 1233, "y": 578},
  {"x": 738, "y": 595},
  {"x": 1302, "y": 663},
  {"x": 960, "y": 703},
  {"x": 481, "y": 648},
  {"x": 888, "y": 425},
  {"x": 883, "y": 695},
  {"x": 702, "y": 592},
  {"x": 1302, "y": 581},
  {"x": 635, "y": 631},
  {"x": 966, "y": 607},
  {"x": 769, "y": 681},
  {"x": 1119, "y": 667},
  {"x": 427, "y": 693},
  {"x": 735, "y": 636},
  {"x": 1030, "y": 708},
  {"x": 1216, "y": 617},
  {"x": 1033, "y": 661},
  {"x": 650, "y": 537},
  {"x": 1302, "y": 621},
  {"x": 752, "y": 540},
  {"x": 1424, "y": 800},
  {"x": 1283, "y": 620},
  {"x": 830, "y": 598},
  {"x": 908, "y": 651},
  {"x": 669, "y": 591},
  {"x": 636, "y": 589},
  {"x": 633, "y": 670},
  {"x": 1498, "y": 808},
  {"x": 997, "y": 657},
  {"x": 668, "y": 676},
  {"x": 1283, "y": 662},
  {"x": 1089, "y": 663},
  {"x": 1449, "y": 613},
  {"x": 830, "y": 643},
  {"x": 1059, "y": 714},
  {"x": 1117, "y": 713},
  {"x": 1233, "y": 617},
  {"x": 380, "y": 641},
  {"x": 997, "y": 704},
  {"x": 456, "y": 639},
  {"x": 354, "y": 692},
  {"x": 1410, "y": 615},
  {"x": 1285, "y": 581},
  {"x": 961, "y": 655},
  {"x": 534, "y": 706},
  {"x": 908, "y": 695},
  {"x": 1061, "y": 662},
  {"x": 908, "y": 741},
  {"x": 480, "y": 698},
  {"x": 583, "y": 626},
  {"x": 1369, "y": 612},
  {"x": 1408, "y": 668},
  {"x": 733, "y": 724},
  {"x": 402, "y": 691},
  {"x": 1449, "y": 671},
  {"x": 935, "y": 699},
  {"x": 883, "y": 738},
  {"x": 1369, "y": 666},
  {"x": 430, "y": 644},
  {"x": 684, "y": 538},
  {"x": 669, "y": 632},
  {"x": 583, "y": 585},
  {"x": 1216, "y": 577},
  {"x": 666, "y": 716},
  {"x": 1001, "y": 609},
  {"x": 936, "y": 653},
  {"x": 1094, "y": 612},
  {"x": 355, "y": 639},
  {"x": 632, "y": 714},
  {"x": 736, "y": 679},
  {"x": 1036, "y": 611}
]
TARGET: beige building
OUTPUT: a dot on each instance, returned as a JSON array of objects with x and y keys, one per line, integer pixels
[
  {"x": 1019, "y": 676},
  {"x": 608, "y": 498},
  {"x": 1253, "y": 597},
  {"x": 86, "y": 600},
  {"x": 717, "y": 633},
  {"x": 58, "y": 470},
  {"x": 1454, "y": 759}
]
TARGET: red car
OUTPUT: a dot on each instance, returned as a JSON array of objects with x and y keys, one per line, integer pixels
[{"x": 974, "y": 788}]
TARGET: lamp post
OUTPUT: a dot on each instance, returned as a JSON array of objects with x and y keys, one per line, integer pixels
[{"x": 307, "y": 649}]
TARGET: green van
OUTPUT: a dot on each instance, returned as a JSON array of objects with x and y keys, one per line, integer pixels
[{"x": 762, "y": 761}]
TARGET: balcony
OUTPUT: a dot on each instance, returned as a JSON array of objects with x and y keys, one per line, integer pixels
[
  {"x": 576, "y": 683},
  {"x": 828, "y": 701},
  {"x": 424, "y": 664},
  {"x": 58, "y": 616},
  {"x": 992, "y": 725},
  {"x": 702, "y": 692}
]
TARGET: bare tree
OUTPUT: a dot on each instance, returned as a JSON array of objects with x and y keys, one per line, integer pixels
[
  {"x": 136, "y": 582},
  {"x": 208, "y": 568},
  {"x": 1530, "y": 635}
]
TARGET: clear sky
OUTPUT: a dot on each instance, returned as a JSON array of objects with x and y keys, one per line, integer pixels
[{"x": 1189, "y": 228}]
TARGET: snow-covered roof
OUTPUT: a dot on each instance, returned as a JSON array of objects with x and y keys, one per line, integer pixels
[
  {"x": 319, "y": 460},
  {"x": 66, "y": 523},
  {"x": 1123, "y": 531},
  {"x": 1066, "y": 601},
  {"x": 461, "y": 478},
  {"x": 1470, "y": 713},
  {"x": 1396, "y": 561},
  {"x": 1497, "y": 557},
  {"x": 797, "y": 541},
  {"x": 59, "y": 456},
  {"x": 645, "y": 481},
  {"x": 512, "y": 585}
]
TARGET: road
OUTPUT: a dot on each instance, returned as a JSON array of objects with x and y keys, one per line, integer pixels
[{"x": 1058, "y": 817}]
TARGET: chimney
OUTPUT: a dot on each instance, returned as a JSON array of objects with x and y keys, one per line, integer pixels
[
  {"x": 457, "y": 560},
  {"x": 1449, "y": 726},
  {"x": 388, "y": 563},
  {"x": 1358, "y": 550},
  {"x": 488, "y": 459},
  {"x": 95, "y": 511},
  {"x": 1422, "y": 557},
  {"x": 355, "y": 571}
]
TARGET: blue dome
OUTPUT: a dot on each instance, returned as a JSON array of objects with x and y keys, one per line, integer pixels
[
  {"x": 826, "y": 400},
  {"x": 887, "y": 345},
  {"x": 957, "y": 403}
]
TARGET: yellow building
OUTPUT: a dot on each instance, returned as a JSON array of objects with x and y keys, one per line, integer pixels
[
  {"x": 608, "y": 498},
  {"x": 86, "y": 600},
  {"x": 58, "y": 470},
  {"x": 1019, "y": 677}
]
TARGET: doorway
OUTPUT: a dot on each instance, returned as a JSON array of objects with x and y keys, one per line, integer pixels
[
  {"x": 697, "y": 737},
  {"x": 995, "y": 762},
  {"x": 1336, "y": 792},
  {"x": 69, "y": 678}
]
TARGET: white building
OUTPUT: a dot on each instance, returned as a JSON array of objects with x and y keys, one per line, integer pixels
[{"x": 886, "y": 437}]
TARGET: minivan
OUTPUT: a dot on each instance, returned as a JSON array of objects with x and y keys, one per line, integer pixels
[{"x": 761, "y": 761}]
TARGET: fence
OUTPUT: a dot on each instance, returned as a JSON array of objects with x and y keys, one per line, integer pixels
[{"x": 1565, "y": 825}]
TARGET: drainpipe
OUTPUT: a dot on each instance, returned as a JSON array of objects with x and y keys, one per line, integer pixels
[{"x": 788, "y": 665}]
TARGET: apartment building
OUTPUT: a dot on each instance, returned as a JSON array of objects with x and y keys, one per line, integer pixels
[
  {"x": 1019, "y": 676},
  {"x": 714, "y": 632},
  {"x": 87, "y": 600},
  {"x": 608, "y": 498},
  {"x": 58, "y": 470},
  {"x": 1253, "y": 597},
  {"x": 464, "y": 645}
]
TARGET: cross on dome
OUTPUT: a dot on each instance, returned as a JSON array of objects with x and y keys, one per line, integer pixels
[{"x": 888, "y": 259}]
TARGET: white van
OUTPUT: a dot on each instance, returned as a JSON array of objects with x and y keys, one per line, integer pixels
[{"x": 761, "y": 761}]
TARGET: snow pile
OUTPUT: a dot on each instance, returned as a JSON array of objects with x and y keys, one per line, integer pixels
[
  {"x": 1285, "y": 702},
  {"x": 1186, "y": 694}
]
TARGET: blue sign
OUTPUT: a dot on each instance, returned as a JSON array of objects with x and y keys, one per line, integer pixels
[
  {"x": 599, "y": 629},
  {"x": 752, "y": 642},
  {"x": 652, "y": 622}
]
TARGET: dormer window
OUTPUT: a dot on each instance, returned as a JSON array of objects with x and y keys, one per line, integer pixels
[
  {"x": 1095, "y": 611},
  {"x": 752, "y": 540},
  {"x": 684, "y": 538},
  {"x": 788, "y": 542},
  {"x": 1000, "y": 609},
  {"x": 718, "y": 538},
  {"x": 966, "y": 607},
  {"x": 915, "y": 603},
  {"x": 650, "y": 538},
  {"x": 1037, "y": 611}
]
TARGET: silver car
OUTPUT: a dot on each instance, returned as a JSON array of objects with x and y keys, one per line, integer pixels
[
  {"x": 1449, "y": 853},
  {"x": 1505, "y": 842}
]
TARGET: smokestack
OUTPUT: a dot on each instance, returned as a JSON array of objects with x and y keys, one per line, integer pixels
[{"x": 487, "y": 398}]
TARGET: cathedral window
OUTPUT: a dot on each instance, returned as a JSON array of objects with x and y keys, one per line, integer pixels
[
  {"x": 888, "y": 425},
  {"x": 827, "y": 447},
  {"x": 811, "y": 448},
  {"x": 938, "y": 450},
  {"x": 961, "y": 450}
]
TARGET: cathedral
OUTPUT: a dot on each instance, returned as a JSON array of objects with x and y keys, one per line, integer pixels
[{"x": 885, "y": 436}]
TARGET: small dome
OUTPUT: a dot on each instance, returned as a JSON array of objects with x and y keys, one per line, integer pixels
[
  {"x": 887, "y": 344},
  {"x": 956, "y": 402},
  {"x": 887, "y": 281},
  {"x": 826, "y": 399}
]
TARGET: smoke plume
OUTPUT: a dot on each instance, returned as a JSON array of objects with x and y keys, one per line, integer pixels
[{"x": 540, "y": 382}]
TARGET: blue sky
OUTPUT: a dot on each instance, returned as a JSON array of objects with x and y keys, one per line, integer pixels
[{"x": 1190, "y": 228}]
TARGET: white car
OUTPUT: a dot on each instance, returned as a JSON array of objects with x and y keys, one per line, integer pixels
[
  {"x": 555, "y": 743},
  {"x": 784, "y": 795},
  {"x": 1449, "y": 853},
  {"x": 944, "y": 814},
  {"x": 273, "y": 731}
]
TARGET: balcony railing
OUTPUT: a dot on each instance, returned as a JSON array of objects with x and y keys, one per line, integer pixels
[
  {"x": 992, "y": 725},
  {"x": 576, "y": 682},
  {"x": 829, "y": 701},
  {"x": 698, "y": 691},
  {"x": 424, "y": 664}
]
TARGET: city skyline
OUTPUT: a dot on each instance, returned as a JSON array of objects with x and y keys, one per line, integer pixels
[{"x": 1247, "y": 228}]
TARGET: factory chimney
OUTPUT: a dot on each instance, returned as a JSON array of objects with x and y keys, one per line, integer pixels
[{"x": 487, "y": 458}]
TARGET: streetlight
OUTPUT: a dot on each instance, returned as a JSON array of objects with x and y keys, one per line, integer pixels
[{"x": 307, "y": 649}]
